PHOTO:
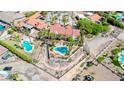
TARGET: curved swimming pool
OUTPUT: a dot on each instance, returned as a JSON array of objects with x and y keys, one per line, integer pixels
[
  {"x": 27, "y": 46},
  {"x": 121, "y": 57},
  {"x": 2, "y": 27},
  {"x": 62, "y": 50}
]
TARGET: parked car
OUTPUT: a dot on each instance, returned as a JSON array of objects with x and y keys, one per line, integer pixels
[
  {"x": 5, "y": 57},
  {"x": 88, "y": 78},
  {"x": 122, "y": 79},
  {"x": 7, "y": 69}
]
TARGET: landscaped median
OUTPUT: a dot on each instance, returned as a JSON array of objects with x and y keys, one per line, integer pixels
[{"x": 13, "y": 49}]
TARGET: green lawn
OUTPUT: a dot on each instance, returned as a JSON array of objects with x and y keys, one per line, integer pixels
[{"x": 16, "y": 51}]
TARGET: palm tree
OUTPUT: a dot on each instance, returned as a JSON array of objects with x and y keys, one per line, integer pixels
[
  {"x": 53, "y": 19},
  {"x": 39, "y": 34},
  {"x": 65, "y": 20},
  {"x": 81, "y": 38},
  {"x": 52, "y": 35}
]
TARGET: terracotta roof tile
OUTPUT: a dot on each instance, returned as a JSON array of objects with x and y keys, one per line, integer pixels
[
  {"x": 68, "y": 30},
  {"x": 58, "y": 29},
  {"x": 95, "y": 17},
  {"x": 34, "y": 21}
]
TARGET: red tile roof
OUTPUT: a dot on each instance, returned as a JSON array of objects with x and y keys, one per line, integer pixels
[
  {"x": 95, "y": 17},
  {"x": 68, "y": 30},
  {"x": 34, "y": 21},
  {"x": 76, "y": 32},
  {"x": 58, "y": 29}
]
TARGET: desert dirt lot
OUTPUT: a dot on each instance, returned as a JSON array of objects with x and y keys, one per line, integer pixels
[
  {"x": 101, "y": 73},
  {"x": 28, "y": 71}
]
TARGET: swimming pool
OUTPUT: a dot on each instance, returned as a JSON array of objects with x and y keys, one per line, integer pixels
[
  {"x": 2, "y": 27},
  {"x": 62, "y": 50},
  {"x": 121, "y": 57},
  {"x": 119, "y": 16},
  {"x": 27, "y": 46}
]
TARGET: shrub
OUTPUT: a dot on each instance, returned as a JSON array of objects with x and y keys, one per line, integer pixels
[
  {"x": 10, "y": 31},
  {"x": 115, "y": 22},
  {"x": 105, "y": 55},
  {"x": 70, "y": 39},
  {"x": 111, "y": 20},
  {"x": 89, "y": 64},
  {"x": 14, "y": 28},
  {"x": 82, "y": 64},
  {"x": 116, "y": 51},
  {"x": 122, "y": 48},
  {"x": 115, "y": 61},
  {"x": 100, "y": 59},
  {"x": 89, "y": 27}
]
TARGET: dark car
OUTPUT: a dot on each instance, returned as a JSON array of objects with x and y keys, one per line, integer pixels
[
  {"x": 122, "y": 79},
  {"x": 7, "y": 68},
  {"x": 88, "y": 78}
]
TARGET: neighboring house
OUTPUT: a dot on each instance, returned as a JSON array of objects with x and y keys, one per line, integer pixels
[
  {"x": 72, "y": 32},
  {"x": 57, "y": 29},
  {"x": 95, "y": 17},
  {"x": 3, "y": 51},
  {"x": 32, "y": 21},
  {"x": 35, "y": 21},
  {"x": 67, "y": 30}
]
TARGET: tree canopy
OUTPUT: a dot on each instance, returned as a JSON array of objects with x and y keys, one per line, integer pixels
[{"x": 90, "y": 27}]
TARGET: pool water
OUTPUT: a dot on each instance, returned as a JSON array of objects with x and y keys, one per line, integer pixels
[
  {"x": 2, "y": 27},
  {"x": 119, "y": 16},
  {"x": 27, "y": 46},
  {"x": 62, "y": 50},
  {"x": 121, "y": 57}
]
